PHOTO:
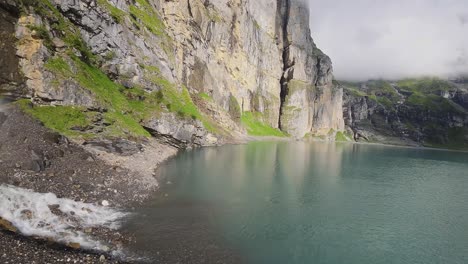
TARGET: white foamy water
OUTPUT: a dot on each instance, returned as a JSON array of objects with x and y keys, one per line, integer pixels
[{"x": 45, "y": 215}]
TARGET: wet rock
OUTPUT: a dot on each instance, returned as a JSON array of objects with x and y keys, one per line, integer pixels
[
  {"x": 7, "y": 225},
  {"x": 27, "y": 214},
  {"x": 55, "y": 209},
  {"x": 74, "y": 245}
]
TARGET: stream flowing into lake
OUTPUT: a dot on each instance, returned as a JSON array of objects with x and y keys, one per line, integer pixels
[{"x": 300, "y": 202}]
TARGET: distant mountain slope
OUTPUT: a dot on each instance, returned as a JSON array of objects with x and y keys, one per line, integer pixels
[{"x": 428, "y": 111}]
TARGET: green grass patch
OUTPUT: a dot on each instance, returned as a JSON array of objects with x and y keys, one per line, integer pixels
[
  {"x": 377, "y": 90},
  {"x": 385, "y": 102},
  {"x": 58, "y": 65},
  {"x": 66, "y": 120},
  {"x": 434, "y": 103},
  {"x": 120, "y": 113},
  {"x": 124, "y": 125},
  {"x": 341, "y": 136},
  {"x": 425, "y": 85},
  {"x": 177, "y": 100},
  {"x": 117, "y": 14},
  {"x": 355, "y": 91},
  {"x": 206, "y": 97},
  {"x": 144, "y": 15},
  {"x": 255, "y": 127}
]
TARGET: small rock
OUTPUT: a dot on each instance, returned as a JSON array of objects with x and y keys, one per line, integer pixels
[
  {"x": 88, "y": 230},
  {"x": 105, "y": 203},
  {"x": 102, "y": 258},
  {"x": 58, "y": 43},
  {"x": 74, "y": 245},
  {"x": 27, "y": 214},
  {"x": 86, "y": 209},
  {"x": 55, "y": 209},
  {"x": 7, "y": 225}
]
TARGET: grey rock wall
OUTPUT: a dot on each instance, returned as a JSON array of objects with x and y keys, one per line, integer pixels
[{"x": 257, "y": 52}]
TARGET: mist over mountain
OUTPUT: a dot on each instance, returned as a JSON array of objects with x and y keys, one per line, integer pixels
[{"x": 392, "y": 39}]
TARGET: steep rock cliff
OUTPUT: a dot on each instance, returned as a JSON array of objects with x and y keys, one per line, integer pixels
[
  {"x": 310, "y": 103},
  {"x": 188, "y": 71}
]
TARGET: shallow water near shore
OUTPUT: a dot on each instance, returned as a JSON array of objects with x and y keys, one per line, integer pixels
[{"x": 299, "y": 202}]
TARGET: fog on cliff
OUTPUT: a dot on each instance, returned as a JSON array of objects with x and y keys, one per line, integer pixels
[{"x": 392, "y": 39}]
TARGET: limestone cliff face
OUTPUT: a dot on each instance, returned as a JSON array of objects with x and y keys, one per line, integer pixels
[
  {"x": 243, "y": 55},
  {"x": 309, "y": 101},
  {"x": 262, "y": 54}
]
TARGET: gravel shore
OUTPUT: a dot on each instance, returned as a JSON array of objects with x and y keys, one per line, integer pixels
[{"x": 119, "y": 174}]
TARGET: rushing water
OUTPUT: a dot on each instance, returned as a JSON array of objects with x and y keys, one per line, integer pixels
[{"x": 308, "y": 203}]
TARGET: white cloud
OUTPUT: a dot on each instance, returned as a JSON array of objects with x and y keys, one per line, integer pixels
[{"x": 392, "y": 39}]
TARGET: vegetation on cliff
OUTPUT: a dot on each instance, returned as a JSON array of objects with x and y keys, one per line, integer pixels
[
  {"x": 123, "y": 109},
  {"x": 255, "y": 127}
]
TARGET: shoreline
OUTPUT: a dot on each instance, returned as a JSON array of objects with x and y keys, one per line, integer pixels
[{"x": 124, "y": 180}]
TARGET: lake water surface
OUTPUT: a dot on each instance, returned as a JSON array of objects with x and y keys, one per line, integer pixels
[{"x": 298, "y": 202}]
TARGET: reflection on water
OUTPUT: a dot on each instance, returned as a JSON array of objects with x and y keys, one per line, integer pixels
[{"x": 297, "y": 202}]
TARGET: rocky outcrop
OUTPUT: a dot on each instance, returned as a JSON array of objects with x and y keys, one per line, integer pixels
[
  {"x": 190, "y": 133},
  {"x": 309, "y": 101},
  {"x": 428, "y": 112}
]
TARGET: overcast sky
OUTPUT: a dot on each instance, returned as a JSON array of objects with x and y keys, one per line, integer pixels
[{"x": 392, "y": 38}]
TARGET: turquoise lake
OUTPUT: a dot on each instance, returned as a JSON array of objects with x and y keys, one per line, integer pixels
[{"x": 300, "y": 202}]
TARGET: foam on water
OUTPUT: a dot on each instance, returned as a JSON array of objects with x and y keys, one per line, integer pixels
[{"x": 32, "y": 213}]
